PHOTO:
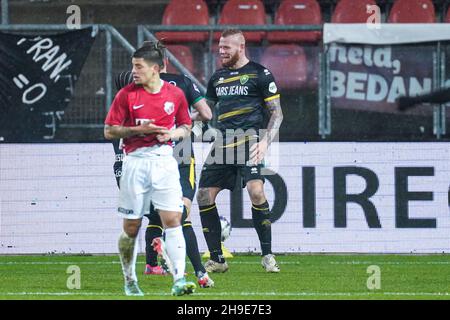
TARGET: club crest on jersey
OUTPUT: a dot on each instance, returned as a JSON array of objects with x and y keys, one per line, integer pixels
[
  {"x": 243, "y": 79},
  {"x": 169, "y": 107}
]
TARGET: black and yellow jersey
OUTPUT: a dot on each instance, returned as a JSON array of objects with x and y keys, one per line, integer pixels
[{"x": 241, "y": 96}]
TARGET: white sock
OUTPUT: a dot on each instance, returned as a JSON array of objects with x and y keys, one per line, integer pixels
[
  {"x": 128, "y": 254},
  {"x": 176, "y": 250}
]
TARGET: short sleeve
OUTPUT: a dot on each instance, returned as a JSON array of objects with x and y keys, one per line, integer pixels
[
  {"x": 210, "y": 91},
  {"x": 119, "y": 112},
  {"x": 193, "y": 94},
  {"x": 182, "y": 117},
  {"x": 267, "y": 85}
]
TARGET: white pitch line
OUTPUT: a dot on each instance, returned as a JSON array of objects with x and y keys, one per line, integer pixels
[
  {"x": 243, "y": 294},
  {"x": 58, "y": 262},
  {"x": 235, "y": 262},
  {"x": 391, "y": 262}
]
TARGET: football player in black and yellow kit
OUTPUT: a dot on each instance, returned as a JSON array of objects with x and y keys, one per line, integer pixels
[{"x": 247, "y": 99}]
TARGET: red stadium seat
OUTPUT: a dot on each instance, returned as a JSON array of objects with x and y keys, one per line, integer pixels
[
  {"x": 184, "y": 55},
  {"x": 297, "y": 12},
  {"x": 447, "y": 17},
  {"x": 245, "y": 12},
  {"x": 288, "y": 64},
  {"x": 185, "y": 12},
  {"x": 352, "y": 11},
  {"x": 412, "y": 11}
]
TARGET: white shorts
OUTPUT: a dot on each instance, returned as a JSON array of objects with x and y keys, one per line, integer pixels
[{"x": 149, "y": 177}]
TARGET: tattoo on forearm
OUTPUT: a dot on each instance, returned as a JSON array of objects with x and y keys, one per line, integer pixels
[{"x": 275, "y": 120}]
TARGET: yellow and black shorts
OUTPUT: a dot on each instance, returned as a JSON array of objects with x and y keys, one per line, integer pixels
[{"x": 187, "y": 179}]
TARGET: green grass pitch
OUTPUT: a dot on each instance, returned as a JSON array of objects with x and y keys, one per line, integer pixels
[{"x": 301, "y": 277}]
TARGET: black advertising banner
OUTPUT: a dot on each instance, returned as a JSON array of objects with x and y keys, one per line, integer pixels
[
  {"x": 370, "y": 78},
  {"x": 37, "y": 79}
]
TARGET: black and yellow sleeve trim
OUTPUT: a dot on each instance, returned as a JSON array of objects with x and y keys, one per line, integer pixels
[{"x": 272, "y": 98}]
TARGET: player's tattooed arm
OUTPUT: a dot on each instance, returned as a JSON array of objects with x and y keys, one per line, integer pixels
[
  {"x": 258, "y": 150},
  {"x": 276, "y": 118},
  {"x": 119, "y": 132}
]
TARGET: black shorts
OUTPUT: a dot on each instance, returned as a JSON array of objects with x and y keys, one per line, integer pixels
[
  {"x": 234, "y": 158},
  {"x": 187, "y": 180},
  {"x": 225, "y": 176}
]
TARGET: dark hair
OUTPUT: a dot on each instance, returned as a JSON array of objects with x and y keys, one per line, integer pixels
[
  {"x": 231, "y": 32},
  {"x": 152, "y": 51}
]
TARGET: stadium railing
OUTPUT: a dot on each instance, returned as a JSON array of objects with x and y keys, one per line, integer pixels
[{"x": 84, "y": 111}]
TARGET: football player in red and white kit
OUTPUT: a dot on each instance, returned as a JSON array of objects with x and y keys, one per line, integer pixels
[{"x": 148, "y": 115}]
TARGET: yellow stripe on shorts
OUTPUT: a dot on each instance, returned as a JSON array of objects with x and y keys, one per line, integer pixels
[{"x": 192, "y": 173}]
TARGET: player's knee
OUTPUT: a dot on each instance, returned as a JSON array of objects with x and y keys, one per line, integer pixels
[
  {"x": 171, "y": 219},
  {"x": 256, "y": 195},
  {"x": 131, "y": 229},
  {"x": 186, "y": 215},
  {"x": 203, "y": 197}
]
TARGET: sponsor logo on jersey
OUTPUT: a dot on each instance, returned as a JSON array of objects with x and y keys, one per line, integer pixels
[
  {"x": 169, "y": 107},
  {"x": 138, "y": 107},
  {"x": 266, "y": 72},
  {"x": 139, "y": 121},
  {"x": 254, "y": 170},
  {"x": 272, "y": 87},
  {"x": 232, "y": 91},
  {"x": 244, "y": 78}
]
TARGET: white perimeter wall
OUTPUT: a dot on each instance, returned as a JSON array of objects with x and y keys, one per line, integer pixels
[{"x": 61, "y": 198}]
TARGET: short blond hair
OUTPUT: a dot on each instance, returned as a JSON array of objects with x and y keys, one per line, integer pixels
[{"x": 231, "y": 32}]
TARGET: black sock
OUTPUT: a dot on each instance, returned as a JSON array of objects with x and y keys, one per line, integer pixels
[
  {"x": 212, "y": 231},
  {"x": 192, "y": 249},
  {"x": 152, "y": 232},
  {"x": 262, "y": 224}
]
